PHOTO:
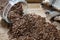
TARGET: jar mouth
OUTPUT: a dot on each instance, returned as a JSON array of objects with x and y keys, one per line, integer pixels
[
  {"x": 13, "y": 2},
  {"x": 9, "y": 6}
]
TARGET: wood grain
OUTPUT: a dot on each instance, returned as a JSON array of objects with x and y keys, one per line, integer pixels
[{"x": 34, "y": 1}]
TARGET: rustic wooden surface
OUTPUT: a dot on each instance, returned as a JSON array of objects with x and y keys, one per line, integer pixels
[
  {"x": 36, "y": 8},
  {"x": 34, "y": 1}
]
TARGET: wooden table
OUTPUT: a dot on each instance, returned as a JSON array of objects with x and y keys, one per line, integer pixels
[
  {"x": 36, "y": 8},
  {"x": 34, "y": 1}
]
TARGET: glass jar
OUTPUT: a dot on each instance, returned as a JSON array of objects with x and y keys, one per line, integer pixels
[{"x": 10, "y": 4}]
